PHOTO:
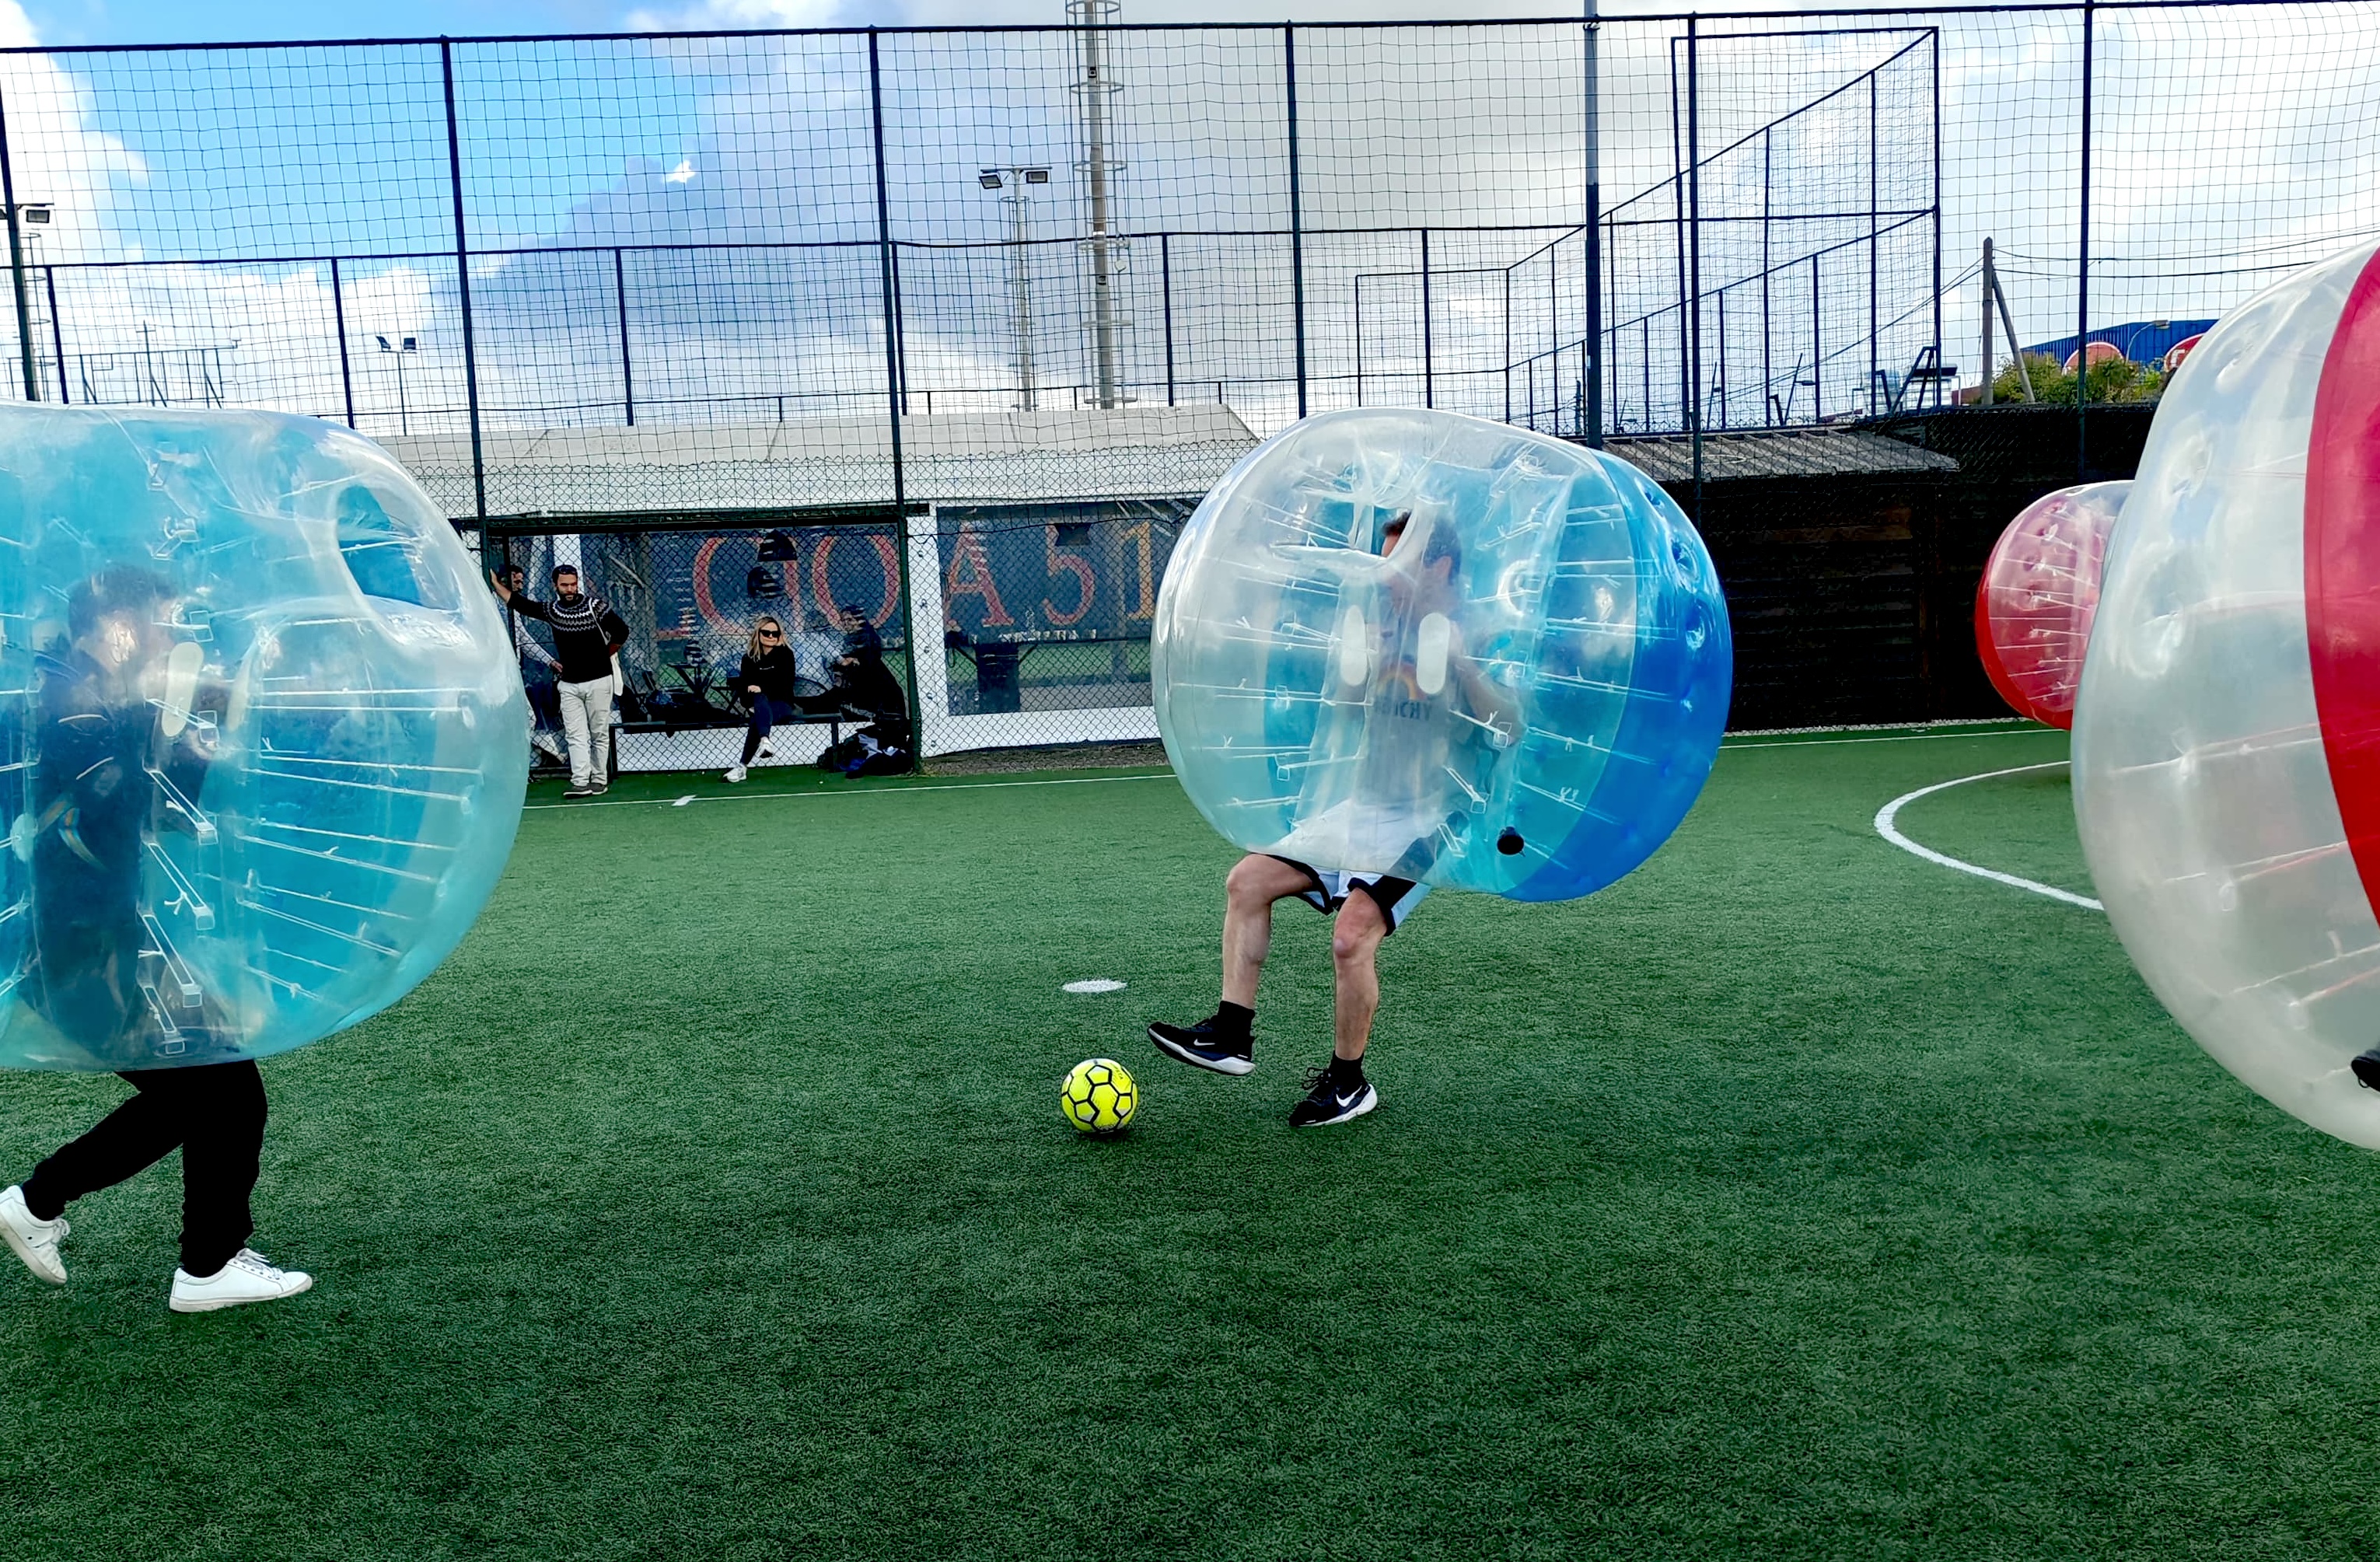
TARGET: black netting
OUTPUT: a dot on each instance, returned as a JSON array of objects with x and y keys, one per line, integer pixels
[{"x": 1029, "y": 292}]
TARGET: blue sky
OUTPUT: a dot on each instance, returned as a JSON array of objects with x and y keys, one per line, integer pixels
[
  {"x": 266, "y": 165},
  {"x": 182, "y": 22},
  {"x": 189, "y": 21}
]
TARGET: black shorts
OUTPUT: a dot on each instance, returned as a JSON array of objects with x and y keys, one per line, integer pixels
[{"x": 1395, "y": 896}]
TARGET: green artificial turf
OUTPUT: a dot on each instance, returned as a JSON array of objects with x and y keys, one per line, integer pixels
[{"x": 1794, "y": 1197}]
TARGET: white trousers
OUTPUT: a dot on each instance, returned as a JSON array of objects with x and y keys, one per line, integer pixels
[{"x": 587, "y": 728}]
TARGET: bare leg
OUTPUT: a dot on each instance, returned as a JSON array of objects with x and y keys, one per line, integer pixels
[
  {"x": 1354, "y": 941},
  {"x": 1255, "y": 882}
]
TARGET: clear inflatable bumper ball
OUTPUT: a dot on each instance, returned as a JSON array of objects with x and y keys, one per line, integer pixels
[
  {"x": 2039, "y": 591},
  {"x": 1431, "y": 645},
  {"x": 265, "y": 746},
  {"x": 2226, "y": 739}
]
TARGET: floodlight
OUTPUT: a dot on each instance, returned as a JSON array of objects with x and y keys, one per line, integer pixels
[
  {"x": 990, "y": 178},
  {"x": 1036, "y": 176},
  {"x": 37, "y": 213}
]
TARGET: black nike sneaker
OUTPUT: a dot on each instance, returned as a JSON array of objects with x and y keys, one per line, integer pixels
[
  {"x": 1326, "y": 1101},
  {"x": 1203, "y": 1046},
  {"x": 2367, "y": 1068}
]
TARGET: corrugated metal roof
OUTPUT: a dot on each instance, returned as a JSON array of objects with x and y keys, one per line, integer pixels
[{"x": 1779, "y": 453}]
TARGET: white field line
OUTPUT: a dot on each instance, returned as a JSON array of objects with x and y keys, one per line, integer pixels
[
  {"x": 856, "y": 791},
  {"x": 1096, "y": 781},
  {"x": 1904, "y": 737},
  {"x": 1891, "y": 811}
]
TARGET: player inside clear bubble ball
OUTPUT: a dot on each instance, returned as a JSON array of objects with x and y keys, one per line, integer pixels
[
  {"x": 1404, "y": 703},
  {"x": 123, "y": 733}
]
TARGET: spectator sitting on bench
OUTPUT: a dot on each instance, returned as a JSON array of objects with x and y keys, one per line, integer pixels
[
  {"x": 861, "y": 679},
  {"x": 766, "y": 682}
]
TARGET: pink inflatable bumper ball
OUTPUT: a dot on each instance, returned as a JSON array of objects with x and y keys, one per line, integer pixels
[{"x": 2040, "y": 589}]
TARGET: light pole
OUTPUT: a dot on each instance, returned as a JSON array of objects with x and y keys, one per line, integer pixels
[
  {"x": 1013, "y": 180},
  {"x": 1091, "y": 19},
  {"x": 410, "y": 344},
  {"x": 20, "y": 214}
]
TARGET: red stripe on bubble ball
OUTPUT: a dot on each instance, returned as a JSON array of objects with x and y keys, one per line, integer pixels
[
  {"x": 2342, "y": 564},
  {"x": 1987, "y": 647}
]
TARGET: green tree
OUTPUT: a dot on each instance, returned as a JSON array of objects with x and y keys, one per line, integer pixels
[{"x": 2112, "y": 379}]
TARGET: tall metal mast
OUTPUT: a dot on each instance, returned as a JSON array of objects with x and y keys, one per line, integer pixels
[
  {"x": 1016, "y": 182},
  {"x": 1095, "y": 86}
]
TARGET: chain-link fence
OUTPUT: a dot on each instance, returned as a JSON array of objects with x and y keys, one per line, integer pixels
[{"x": 984, "y": 311}]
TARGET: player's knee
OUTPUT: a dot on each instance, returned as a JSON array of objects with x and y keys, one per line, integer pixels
[
  {"x": 1249, "y": 882},
  {"x": 1358, "y": 931}
]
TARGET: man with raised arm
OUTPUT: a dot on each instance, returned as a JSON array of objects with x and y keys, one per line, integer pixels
[{"x": 587, "y": 636}]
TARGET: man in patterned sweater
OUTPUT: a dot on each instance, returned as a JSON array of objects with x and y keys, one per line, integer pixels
[{"x": 587, "y": 636}]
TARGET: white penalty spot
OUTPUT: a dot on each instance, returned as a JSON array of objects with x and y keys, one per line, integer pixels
[{"x": 1096, "y": 984}]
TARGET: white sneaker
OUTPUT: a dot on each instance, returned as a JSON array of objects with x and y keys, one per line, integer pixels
[
  {"x": 735, "y": 773},
  {"x": 247, "y": 1278},
  {"x": 35, "y": 1242}
]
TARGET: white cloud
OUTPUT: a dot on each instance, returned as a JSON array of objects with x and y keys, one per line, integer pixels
[
  {"x": 59, "y": 156},
  {"x": 2266, "y": 162},
  {"x": 728, "y": 15}
]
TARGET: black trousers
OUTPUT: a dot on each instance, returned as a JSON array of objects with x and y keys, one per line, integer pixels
[{"x": 214, "y": 1115}]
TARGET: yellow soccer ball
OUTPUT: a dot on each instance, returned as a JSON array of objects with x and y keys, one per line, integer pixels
[{"x": 1098, "y": 1097}]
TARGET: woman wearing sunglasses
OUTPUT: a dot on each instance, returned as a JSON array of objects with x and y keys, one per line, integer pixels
[{"x": 766, "y": 679}]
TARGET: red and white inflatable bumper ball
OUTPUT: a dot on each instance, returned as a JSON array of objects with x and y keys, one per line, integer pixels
[
  {"x": 2039, "y": 591},
  {"x": 2226, "y": 737},
  {"x": 2097, "y": 352}
]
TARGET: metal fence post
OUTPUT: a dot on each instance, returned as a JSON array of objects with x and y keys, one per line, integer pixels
[
  {"x": 1678, "y": 229},
  {"x": 892, "y": 392},
  {"x": 1359, "y": 338},
  {"x": 1428, "y": 373},
  {"x": 628, "y": 369},
  {"x": 1694, "y": 247},
  {"x": 57, "y": 331},
  {"x": 463, "y": 280},
  {"x": 1874, "y": 314},
  {"x": 338, "y": 323},
  {"x": 2082, "y": 268},
  {"x": 1594, "y": 365},
  {"x": 1817, "y": 349},
  {"x": 1296, "y": 212},
  {"x": 901, "y": 337},
  {"x": 1768, "y": 192},
  {"x": 1165, "y": 290},
  {"x": 1934, "y": 50}
]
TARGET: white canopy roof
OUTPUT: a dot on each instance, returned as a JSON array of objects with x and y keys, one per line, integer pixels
[{"x": 1132, "y": 452}]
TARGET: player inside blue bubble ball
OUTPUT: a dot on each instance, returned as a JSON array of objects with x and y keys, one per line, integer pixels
[
  {"x": 261, "y": 764},
  {"x": 1399, "y": 650},
  {"x": 1366, "y": 907},
  {"x": 105, "y": 748}
]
